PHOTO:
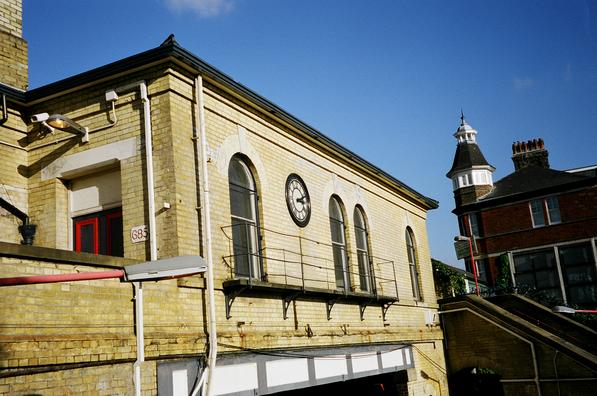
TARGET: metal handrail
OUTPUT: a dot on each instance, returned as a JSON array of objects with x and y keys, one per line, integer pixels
[{"x": 299, "y": 261}]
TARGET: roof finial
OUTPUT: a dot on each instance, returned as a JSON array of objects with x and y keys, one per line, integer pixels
[{"x": 462, "y": 122}]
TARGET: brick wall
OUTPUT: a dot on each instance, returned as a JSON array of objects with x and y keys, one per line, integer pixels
[
  {"x": 510, "y": 227},
  {"x": 13, "y": 49},
  {"x": 68, "y": 315}
]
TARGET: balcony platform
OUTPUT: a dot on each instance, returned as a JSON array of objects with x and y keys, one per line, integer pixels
[{"x": 288, "y": 293}]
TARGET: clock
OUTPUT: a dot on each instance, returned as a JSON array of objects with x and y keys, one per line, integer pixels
[{"x": 298, "y": 200}]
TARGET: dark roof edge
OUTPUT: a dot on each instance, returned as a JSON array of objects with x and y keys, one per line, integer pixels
[
  {"x": 525, "y": 195},
  {"x": 12, "y": 93},
  {"x": 171, "y": 49}
]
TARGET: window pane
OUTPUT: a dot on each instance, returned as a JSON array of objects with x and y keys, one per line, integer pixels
[
  {"x": 578, "y": 269},
  {"x": 474, "y": 221},
  {"x": 335, "y": 211},
  {"x": 338, "y": 244},
  {"x": 339, "y": 265},
  {"x": 553, "y": 210},
  {"x": 412, "y": 261},
  {"x": 364, "y": 276},
  {"x": 242, "y": 240},
  {"x": 337, "y": 231},
  {"x": 87, "y": 238},
  {"x": 537, "y": 271},
  {"x": 115, "y": 243},
  {"x": 537, "y": 212},
  {"x": 547, "y": 279},
  {"x": 238, "y": 174},
  {"x": 241, "y": 203},
  {"x": 585, "y": 295}
]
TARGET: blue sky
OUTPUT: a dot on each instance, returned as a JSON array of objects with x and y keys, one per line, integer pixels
[{"x": 385, "y": 78}]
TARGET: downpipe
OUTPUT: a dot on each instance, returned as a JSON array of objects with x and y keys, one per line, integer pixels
[{"x": 200, "y": 140}]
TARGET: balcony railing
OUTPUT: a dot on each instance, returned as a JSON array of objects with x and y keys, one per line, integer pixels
[{"x": 259, "y": 255}]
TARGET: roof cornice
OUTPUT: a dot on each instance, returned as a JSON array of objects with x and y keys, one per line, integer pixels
[{"x": 171, "y": 50}]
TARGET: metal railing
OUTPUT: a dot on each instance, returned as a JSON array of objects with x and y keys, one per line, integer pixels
[{"x": 262, "y": 254}]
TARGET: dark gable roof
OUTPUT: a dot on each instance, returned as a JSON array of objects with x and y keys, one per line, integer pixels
[
  {"x": 467, "y": 155},
  {"x": 171, "y": 50},
  {"x": 528, "y": 183}
]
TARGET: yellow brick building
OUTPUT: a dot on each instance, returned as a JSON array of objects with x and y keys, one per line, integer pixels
[{"x": 321, "y": 270}]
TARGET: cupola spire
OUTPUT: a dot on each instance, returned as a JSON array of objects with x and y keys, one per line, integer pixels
[{"x": 465, "y": 133}]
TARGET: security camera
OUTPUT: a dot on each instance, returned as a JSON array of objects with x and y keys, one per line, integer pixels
[{"x": 41, "y": 117}]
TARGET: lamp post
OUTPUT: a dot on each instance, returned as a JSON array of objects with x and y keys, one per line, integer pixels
[
  {"x": 462, "y": 238},
  {"x": 568, "y": 310}
]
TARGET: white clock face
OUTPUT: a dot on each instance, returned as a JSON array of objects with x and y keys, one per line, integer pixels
[{"x": 298, "y": 200}]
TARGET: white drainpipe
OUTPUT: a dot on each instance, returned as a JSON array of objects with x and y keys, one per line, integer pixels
[
  {"x": 138, "y": 286},
  {"x": 152, "y": 228},
  {"x": 153, "y": 243},
  {"x": 201, "y": 163}
]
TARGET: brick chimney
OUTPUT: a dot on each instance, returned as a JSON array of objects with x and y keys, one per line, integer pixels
[
  {"x": 529, "y": 153},
  {"x": 14, "y": 63}
]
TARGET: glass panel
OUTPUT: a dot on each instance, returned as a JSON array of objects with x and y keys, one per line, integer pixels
[
  {"x": 241, "y": 203},
  {"x": 337, "y": 231},
  {"x": 547, "y": 279},
  {"x": 242, "y": 247},
  {"x": 585, "y": 295},
  {"x": 115, "y": 243},
  {"x": 525, "y": 280},
  {"x": 335, "y": 211},
  {"x": 359, "y": 221},
  {"x": 553, "y": 210},
  {"x": 482, "y": 269},
  {"x": 87, "y": 238},
  {"x": 415, "y": 282},
  {"x": 339, "y": 266},
  {"x": 576, "y": 255},
  {"x": 238, "y": 174},
  {"x": 537, "y": 271},
  {"x": 578, "y": 269},
  {"x": 537, "y": 212},
  {"x": 412, "y": 261},
  {"x": 473, "y": 219},
  {"x": 364, "y": 277},
  {"x": 339, "y": 244}
]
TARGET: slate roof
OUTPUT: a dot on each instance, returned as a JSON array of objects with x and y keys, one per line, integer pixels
[
  {"x": 170, "y": 50},
  {"x": 527, "y": 183},
  {"x": 467, "y": 155}
]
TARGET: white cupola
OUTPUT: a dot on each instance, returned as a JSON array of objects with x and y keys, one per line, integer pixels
[{"x": 470, "y": 168}]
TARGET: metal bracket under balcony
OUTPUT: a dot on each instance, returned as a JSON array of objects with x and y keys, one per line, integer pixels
[{"x": 288, "y": 293}]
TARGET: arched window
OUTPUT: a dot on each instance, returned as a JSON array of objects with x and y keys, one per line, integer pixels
[
  {"x": 411, "y": 250},
  {"x": 338, "y": 228},
  {"x": 363, "y": 258},
  {"x": 244, "y": 214}
]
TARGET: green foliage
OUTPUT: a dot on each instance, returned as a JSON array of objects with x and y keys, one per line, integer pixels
[
  {"x": 503, "y": 282},
  {"x": 448, "y": 281}
]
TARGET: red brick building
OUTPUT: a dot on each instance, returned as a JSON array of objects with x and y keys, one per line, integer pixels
[{"x": 544, "y": 221}]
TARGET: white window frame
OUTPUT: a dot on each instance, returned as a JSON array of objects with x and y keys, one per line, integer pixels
[{"x": 548, "y": 211}]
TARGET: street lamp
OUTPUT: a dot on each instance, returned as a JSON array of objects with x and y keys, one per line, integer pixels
[
  {"x": 462, "y": 238},
  {"x": 64, "y": 123},
  {"x": 568, "y": 310}
]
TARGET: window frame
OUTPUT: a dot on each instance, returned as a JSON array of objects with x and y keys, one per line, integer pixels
[
  {"x": 341, "y": 245},
  {"x": 367, "y": 276},
  {"x": 102, "y": 231},
  {"x": 555, "y": 209},
  {"x": 413, "y": 263},
  {"x": 547, "y": 212},
  {"x": 541, "y": 212},
  {"x": 255, "y": 268}
]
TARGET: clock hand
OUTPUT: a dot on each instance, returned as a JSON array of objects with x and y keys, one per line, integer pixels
[{"x": 301, "y": 199}]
